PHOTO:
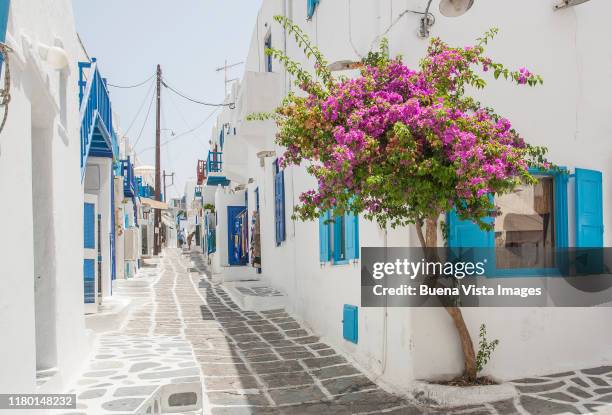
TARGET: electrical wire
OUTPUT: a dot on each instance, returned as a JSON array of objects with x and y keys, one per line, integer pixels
[
  {"x": 131, "y": 86},
  {"x": 179, "y": 112},
  {"x": 180, "y": 135},
  {"x": 196, "y": 101},
  {"x": 145, "y": 121},
  {"x": 142, "y": 104}
]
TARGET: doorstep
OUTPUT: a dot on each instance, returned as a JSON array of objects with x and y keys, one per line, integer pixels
[
  {"x": 235, "y": 273},
  {"x": 255, "y": 295}
]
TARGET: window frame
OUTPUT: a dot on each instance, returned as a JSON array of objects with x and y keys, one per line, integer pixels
[
  {"x": 336, "y": 235},
  {"x": 268, "y": 62},
  {"x": 561, "y": 229}
]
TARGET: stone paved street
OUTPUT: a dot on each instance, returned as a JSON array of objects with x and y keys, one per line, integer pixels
[{"x": 266, "y": 363}]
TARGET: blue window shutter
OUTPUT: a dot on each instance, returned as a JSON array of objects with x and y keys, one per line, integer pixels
[
  {"x": 350, "y": 323},
  {"x": 561, "y": 220},
  {"x": 324, "y": 238},
  {"x": 467, "y": 234},
  {"x": 89, "y": 226},
  {"x": 589, "y": 209},
  {"x": 279, "y": 206},
  {"x": 351, "y": 235},
  {"x": 311, "y": 6},
  {"x": 282, "y": 205}
]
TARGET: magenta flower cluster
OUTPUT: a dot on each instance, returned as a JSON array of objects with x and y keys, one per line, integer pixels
[{"x": 395, "y": 126}]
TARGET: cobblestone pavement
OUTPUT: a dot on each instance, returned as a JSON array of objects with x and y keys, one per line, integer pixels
[{"x": 265, "y": 363}]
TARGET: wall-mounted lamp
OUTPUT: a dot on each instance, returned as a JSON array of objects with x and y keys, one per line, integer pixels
[
  {"x": 455, "y": 8},
  {"x": 262, "y": 156},
  {"x": 344, "y": 65},
  {"x": 568, "y": 3}
]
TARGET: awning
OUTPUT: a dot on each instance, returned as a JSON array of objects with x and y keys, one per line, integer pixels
[{"x": 153, "y": 203}]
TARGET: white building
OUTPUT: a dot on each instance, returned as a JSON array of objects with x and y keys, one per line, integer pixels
[
  {"x": 569, "y": 114},
  {"x": 41, "y": 284}
]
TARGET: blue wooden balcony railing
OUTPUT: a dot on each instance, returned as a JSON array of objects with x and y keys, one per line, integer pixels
[
  {"x": 198, "y": 191},
  {"x": 214, "y": 162},
  {"x": 129, "y": 181},
  {"x": 97, "y": 133}
]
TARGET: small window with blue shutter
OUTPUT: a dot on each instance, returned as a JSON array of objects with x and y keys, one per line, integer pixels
[
  {"x": 531, "y": 223},
  {"x": 279, "y": 203},
  {"x": 338, "y": 238}
]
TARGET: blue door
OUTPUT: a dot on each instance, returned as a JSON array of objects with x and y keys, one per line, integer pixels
[
  {"x": 237, "y": 242},
  {"x": 90, "y": 252}
]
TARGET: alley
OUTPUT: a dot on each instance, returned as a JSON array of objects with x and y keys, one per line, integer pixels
[{"x": 188, "y": 329}]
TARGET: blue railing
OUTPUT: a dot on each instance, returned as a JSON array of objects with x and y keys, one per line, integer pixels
[
  {"x": 214, "y": 162},
  {"x": 129, "y": 182},
  {"x": 95, "y": 110},
  {"x": 198, "y": 191},
  {"x": 146, "y": 191}
]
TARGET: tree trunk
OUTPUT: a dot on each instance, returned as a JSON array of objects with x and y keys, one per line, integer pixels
[{"x": 469, "y": 356}]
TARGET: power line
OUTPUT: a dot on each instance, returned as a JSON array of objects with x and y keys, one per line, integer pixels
[
  {"x": 145, "y": 121},
  {"x": 208, "y": 104},
  {"x": 180, "y": 135},
  {"x": 144, "y": 101},
  {"x": 131, "y": 86},
  {"x": 178, "y": 111}
]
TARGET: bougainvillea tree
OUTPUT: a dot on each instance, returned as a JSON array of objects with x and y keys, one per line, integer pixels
[{"x": 403, "y": 146}]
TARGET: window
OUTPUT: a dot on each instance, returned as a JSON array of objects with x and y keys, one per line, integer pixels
[
  {"x": 338, "y": 238},
  {"x": 279, "y": 202},
  {"x": 268, "y": 45},
  {"x": 533, "y": 220},
  {"x": 311, "y": 6},
  {"x": 525, "y": 228}
]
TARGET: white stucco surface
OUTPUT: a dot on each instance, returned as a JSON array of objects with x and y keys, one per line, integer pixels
[{"x": 39, "y": 168}]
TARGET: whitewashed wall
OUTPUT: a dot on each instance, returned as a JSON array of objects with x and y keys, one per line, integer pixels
[
  {"x": 34, "y": 124},
  {"x": 569, "y": 114}
]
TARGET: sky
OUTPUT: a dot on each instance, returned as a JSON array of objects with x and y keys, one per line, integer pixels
[{"x": 189, "y": 39}]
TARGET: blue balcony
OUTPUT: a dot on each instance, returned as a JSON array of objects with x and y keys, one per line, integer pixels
[
  {"x": 144, "y": 190},
  {"x": 98, "y": 137},
  {"x": 214, "y": 169},
  {"x": 198, "y": 191},
  {"x": 214, "y": 162},
  {"x": 129, "y": 181}
]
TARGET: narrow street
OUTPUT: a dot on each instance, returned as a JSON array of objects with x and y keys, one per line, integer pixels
[{"x": 188, "y": 329}]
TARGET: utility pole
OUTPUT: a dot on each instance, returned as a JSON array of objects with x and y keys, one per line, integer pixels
[
  {"x": 167, "y": 175},
  {"x": 224, "y": 68},
  {"x": 157, "y": 226}
]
